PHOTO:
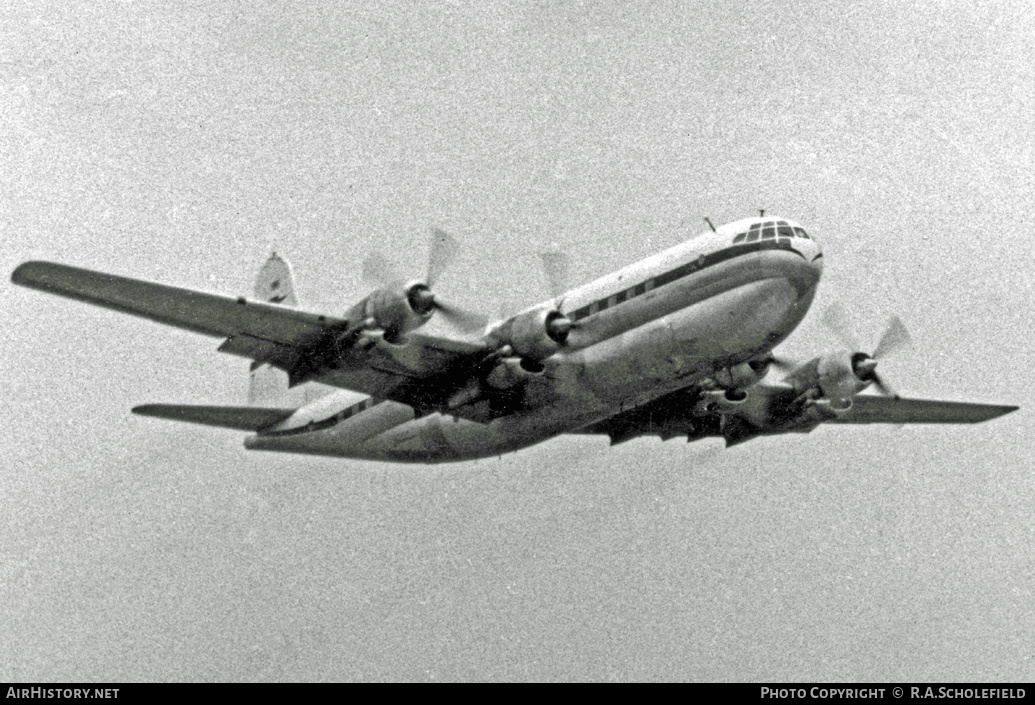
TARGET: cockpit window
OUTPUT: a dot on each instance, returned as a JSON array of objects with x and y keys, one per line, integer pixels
[{"x": 768, "y": 230}]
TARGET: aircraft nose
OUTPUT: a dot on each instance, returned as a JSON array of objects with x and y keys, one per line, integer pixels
[
  {"x": 817, "y": 257},
  {"x": 810, "y": 249}
]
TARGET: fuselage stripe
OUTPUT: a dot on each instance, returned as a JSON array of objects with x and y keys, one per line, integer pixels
[
  {"x": 684, "y": 270},
  {"x": 326, "y": 423}
]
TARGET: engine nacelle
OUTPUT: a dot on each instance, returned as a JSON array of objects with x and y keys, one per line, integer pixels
[
  {"x": 538, "y": 334},
  {"x": 740, "y": 376},
  {"x": 818, "y": 410},
  {"x": 398, "y": 310},
  {"x": 510, "y": 372},
  {"x": 719, "y": 401},
  {"x": 836, "y": 378}
]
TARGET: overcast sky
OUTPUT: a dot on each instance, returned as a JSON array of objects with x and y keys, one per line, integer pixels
[{"x": 181, "y": 142}]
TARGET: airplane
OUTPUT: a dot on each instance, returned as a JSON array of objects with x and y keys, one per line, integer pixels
[{"x": 676, "y": 345}]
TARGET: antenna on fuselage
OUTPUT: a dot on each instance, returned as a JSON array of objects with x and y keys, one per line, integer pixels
[
  {"x": 761, "y": 212},
  {"x": 709, "y": 221}
]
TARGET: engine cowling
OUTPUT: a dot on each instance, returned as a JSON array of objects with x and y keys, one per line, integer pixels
[
  {"x": 398, "y": 310},
  {"x": 842, "y": 375},
  {"x": 540, "y": 333}
]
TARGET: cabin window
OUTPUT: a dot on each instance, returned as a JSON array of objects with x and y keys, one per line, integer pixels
[
  {"x": 769, "y": 232},
  {"x": 784, "y": 230},
  {"x": 739, "y": 238},
  {"x": 639, "y": 289},
  {"x": 800, "y": 232}
]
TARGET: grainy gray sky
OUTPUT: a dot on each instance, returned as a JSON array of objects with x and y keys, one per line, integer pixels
[{"x": 182, "y": 141}]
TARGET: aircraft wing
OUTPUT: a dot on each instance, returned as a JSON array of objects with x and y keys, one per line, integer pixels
[
  {"x": 301, "y": 343},
  {"x": 208, "y": 314},
  {"x": 873, "y": 409},
  {"x": 771, "y": 410},
  {"x": 241, "y": 418}
]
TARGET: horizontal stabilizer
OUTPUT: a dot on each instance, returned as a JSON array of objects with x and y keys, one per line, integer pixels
[
  {"x": 872, "y": 409},
  {"x": 242, "y": 418}
]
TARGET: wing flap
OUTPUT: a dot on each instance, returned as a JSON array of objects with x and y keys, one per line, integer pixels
[
  {"x": 208, "y": 314},
  {"x": 871, "y": 409},
  {"x": 241, "y": 418}
]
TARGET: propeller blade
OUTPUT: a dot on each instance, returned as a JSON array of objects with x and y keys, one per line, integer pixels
[
  {"x": 442, "y": 250},
  {"x": 895, "y": 339},
  {"x": 782, "y": 363},
  {"x": 378, "y": 272},
  {"x": 556, "y": 266},
  {"x": 462, "y": 319},
  {"x": 835, "y": 319},
  {"x": 883, "y": 386},
  {"x": 806, "y": 369}
]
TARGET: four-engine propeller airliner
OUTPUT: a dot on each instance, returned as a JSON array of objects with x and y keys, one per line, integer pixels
[{"x": 677, "y": 345}]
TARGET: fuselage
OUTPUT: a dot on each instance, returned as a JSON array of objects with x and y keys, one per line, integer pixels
[{"x": 667, "y": 322}]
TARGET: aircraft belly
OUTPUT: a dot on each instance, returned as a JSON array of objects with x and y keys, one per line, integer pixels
[
  {"x": 683, "y": 347},
  {"x": 436, "y": 438},
  {"x": 345, "y": 438}
]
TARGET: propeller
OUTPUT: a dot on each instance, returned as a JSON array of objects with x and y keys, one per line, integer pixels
[
  {"x": 556, "y": 267},
  {"x": 463, "y": 320},
  {"x": 835, "y": 319},
  {"x": 443, "y": 249},
  {"x": 378, "y": 272},
  {"x": 864, "y": 365},
  {"x": 895, "y": 339}
]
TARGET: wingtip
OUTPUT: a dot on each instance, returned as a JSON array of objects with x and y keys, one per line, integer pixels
[
  {"x": 22, "y": 273},
  {"x": 39, "y": 274},
  {"x": 996, "y": 411},
  {"x": 151, "y": 410}
]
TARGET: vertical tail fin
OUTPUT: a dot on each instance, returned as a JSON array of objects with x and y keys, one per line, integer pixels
[
  {"x": 268, "y": 386},
  {"x": 275, "y": 283}
]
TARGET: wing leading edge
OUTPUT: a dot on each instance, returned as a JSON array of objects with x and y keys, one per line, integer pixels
[
  {"x": 301, "y": 343},
  {"x": 208, "y": 314}
]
